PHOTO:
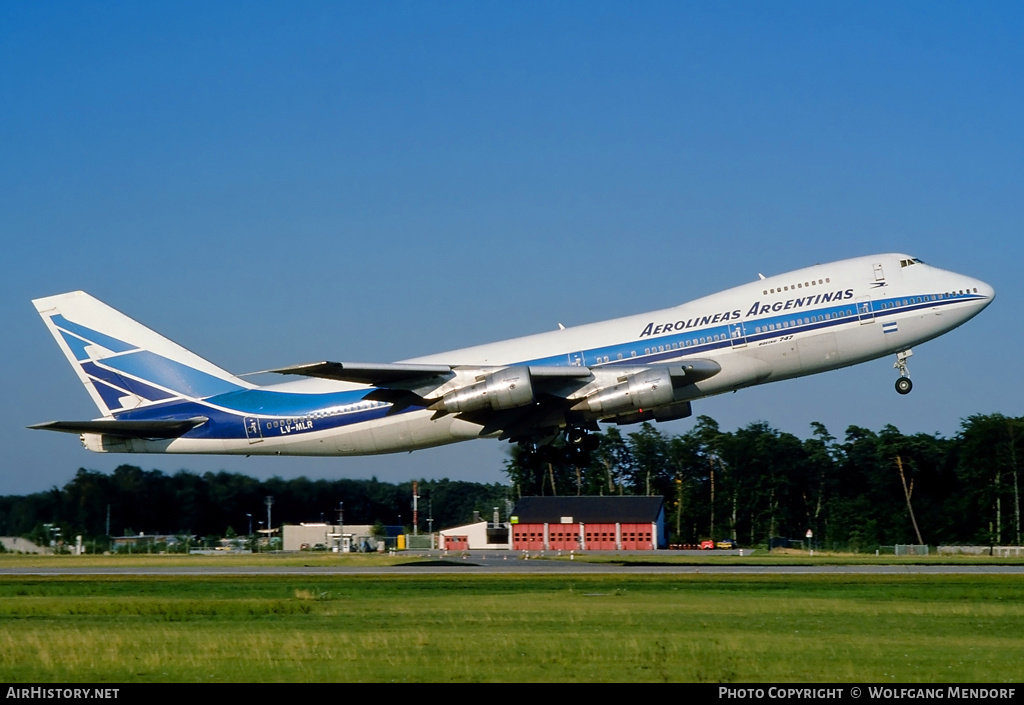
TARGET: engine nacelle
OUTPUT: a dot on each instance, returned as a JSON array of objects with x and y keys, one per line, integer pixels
[
  {"x": 644, "y": 390},
  {"x": 505, "y": 389}
]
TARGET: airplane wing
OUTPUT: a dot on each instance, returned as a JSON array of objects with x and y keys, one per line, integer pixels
[
  {"x": 126, "y": 429},
  {"x": 517, "y": 400},
  {"x": 383, "y": 374},
  {"x": 411, "y": 384},
  {"x": 373, "y": 373}
]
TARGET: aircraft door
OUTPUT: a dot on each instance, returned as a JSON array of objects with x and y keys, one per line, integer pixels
[
  {"x": 865, "y": 312},
  {"x": 253, "y": 430},
  {"x": 576, "y": 359},
  {"x": 738, "y": 335}
]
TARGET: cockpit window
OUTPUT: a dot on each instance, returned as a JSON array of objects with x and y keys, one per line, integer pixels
[{"x": 910, "y": 262}]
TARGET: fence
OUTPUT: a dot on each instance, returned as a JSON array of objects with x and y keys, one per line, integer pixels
[
  {"x": 1000, "y": 551},
  {"x": 909, "y": 549}
]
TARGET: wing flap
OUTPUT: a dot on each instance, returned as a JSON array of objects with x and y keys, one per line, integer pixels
[{"x": 554, "y": 372}]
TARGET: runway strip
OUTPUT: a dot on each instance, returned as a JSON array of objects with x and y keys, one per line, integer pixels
[{"x": 498, "y": 566}]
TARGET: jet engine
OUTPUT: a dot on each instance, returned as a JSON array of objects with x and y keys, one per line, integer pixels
[
  {"x": 646, "y": 389},
  {"x": 504, "y": 389}
]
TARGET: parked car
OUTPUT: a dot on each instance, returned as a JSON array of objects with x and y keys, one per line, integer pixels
[{"x": 726, "y": 544}]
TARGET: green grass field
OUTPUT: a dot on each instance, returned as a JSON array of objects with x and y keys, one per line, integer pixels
[{"x": 690, "y": 628}]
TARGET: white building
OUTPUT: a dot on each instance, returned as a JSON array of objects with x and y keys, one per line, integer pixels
[
  {"x": 349, "y": 538},
  {"x": 479, "y": 535}
]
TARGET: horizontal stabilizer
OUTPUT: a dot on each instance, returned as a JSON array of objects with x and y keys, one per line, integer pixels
[{"x": 163, "y": 428}]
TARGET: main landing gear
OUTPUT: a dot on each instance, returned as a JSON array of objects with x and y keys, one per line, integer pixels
[
  {"x": 579, "y": 444},
  {"x": 903, "y": 384}
]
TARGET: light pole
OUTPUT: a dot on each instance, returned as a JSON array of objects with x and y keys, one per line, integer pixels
[
  {"x": 269, "y": 501},
  {"x": 341, "y": 527}
]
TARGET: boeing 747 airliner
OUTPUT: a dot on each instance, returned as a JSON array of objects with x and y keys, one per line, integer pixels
[{"x": 157, "y": 397}]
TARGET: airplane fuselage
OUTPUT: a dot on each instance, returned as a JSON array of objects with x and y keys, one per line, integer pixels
[{"x": 811, "y": 320}]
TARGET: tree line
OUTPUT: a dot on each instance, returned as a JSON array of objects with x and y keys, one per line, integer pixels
[
  {"x": 130, "y": 501},
  {"x": 754, "y": 484},
  {"x": 867, "y": 490}
]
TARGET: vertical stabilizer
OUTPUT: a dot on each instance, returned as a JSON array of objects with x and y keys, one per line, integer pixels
[{"x": 123, "y": 364}]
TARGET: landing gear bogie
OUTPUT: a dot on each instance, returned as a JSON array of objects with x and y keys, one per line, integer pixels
[
  {"x": 529, "y": 457},
  {"x": 576, "y": 455},
  {"x": 575, "y": 436},
  {"x": 580, "y": 442}
]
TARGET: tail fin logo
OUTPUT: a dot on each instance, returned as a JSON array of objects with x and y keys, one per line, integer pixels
[
  {"x": 123, "y": 364},
  {"x": 80, "y": 339},
  {"x": 88, "y": 346}
]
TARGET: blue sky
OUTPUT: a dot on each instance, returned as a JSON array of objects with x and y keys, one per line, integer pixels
[{"x": 277, "y": 183}]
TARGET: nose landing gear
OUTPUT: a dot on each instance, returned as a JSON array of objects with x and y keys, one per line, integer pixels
[{"x": 903, "y": 384}]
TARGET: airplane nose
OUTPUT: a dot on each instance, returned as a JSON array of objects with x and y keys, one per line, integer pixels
[{"x": 985, "y": 290}]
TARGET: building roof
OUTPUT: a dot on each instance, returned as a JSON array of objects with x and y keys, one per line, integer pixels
[{"x": 592, "y": 510}]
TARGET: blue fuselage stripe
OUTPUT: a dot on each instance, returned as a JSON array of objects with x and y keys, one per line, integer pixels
[{"x": 324, "y": 411}]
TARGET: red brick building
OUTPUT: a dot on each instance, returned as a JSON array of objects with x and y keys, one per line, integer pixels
[{"x": 588, "y": 524}]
